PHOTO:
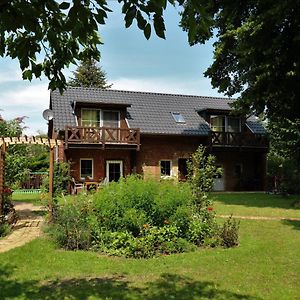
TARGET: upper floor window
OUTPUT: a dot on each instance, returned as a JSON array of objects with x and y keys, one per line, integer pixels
[
  {"x": 99, "y": 118},
  {"x": 90, "y": 117},
  {"x": 225, "y": 124}
]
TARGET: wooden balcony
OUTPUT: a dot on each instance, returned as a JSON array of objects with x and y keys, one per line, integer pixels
[
  {"x": 106, "y": 137},
  {"x": 238, "y": 139}
]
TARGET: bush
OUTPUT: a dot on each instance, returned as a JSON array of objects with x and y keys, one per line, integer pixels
[
  {"x": 72, "y": 226},
  {"x": 229, "y": 233},
  {"x": 141, "y": 219},
  {"x": 4, "y": 229}
]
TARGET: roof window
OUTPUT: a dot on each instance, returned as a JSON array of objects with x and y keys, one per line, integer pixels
[{"x": 178, "y": 117}]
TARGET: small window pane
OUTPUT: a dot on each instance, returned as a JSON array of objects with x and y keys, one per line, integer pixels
[
  {"x": 90, "y": 118},
  {"x": 86, "y": 168},
  {"x": 165, "y": 168},
  {"x": 111, "y": 119},
  {"x": 178, "y": 117},
  {"x": 233, "y": 124},
  {"x": 217, "y": 123}
]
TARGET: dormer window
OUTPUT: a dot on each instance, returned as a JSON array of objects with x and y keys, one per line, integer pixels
[
  {"x": 100, "y": 118},
  {"x": 178, "y": 117},
  {"x": 90, "y": 117},
  {"x": 225, "y": 124}
]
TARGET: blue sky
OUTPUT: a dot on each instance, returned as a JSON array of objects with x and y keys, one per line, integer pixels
[{"x": 131, "y": 63}]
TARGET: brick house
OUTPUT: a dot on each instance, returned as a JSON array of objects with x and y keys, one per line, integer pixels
[{"x": 111, "y": 133}]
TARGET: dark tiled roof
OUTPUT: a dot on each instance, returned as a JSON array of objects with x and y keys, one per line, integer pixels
[{"x": 151, "y": 112}]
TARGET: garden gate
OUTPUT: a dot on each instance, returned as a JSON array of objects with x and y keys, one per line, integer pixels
[{"x": 6, "y": 141}]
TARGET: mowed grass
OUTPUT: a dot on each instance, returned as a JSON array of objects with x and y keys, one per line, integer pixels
[
  {"x": 256, "y": 204},
  {"x": 266, "y": 265},
  {"x": 35, "y": 199}
]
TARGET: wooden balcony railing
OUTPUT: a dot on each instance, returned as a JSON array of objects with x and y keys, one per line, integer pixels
[
  {"x": 102, "y": 135},
  {"x": 238, "y": 139}
]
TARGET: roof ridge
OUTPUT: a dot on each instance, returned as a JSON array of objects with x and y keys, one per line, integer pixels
[{"x": 149, "y": 93}]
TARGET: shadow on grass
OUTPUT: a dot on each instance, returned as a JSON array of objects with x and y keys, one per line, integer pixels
[
  {"x": 167, "y": 286},
  {"x": 257, "y": 200},
  {"x": 295, "y": 224}
]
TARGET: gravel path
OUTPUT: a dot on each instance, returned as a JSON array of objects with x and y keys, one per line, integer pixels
[{"x": 27, "y": 228}]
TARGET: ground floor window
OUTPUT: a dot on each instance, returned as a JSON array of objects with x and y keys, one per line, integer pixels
[
  {"x": 86, "y": 168},
  {"x": 182, "y": 168},
  {"x": 114, "y": 170},
  {"x": 165, "y": 167}
]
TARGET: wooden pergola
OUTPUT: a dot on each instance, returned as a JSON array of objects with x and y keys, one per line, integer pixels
[{"x": 4, "y": 144}]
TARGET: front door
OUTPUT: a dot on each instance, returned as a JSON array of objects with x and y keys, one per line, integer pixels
[{"x": 114, "y": 170}]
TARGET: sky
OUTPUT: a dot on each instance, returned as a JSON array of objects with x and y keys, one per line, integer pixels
[{"x": 130, "y": 62}]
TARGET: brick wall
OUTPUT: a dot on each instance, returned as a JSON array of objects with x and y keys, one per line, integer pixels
[
  {"x": 99, "y": 157},
  {"x": 156, "y": 148}
]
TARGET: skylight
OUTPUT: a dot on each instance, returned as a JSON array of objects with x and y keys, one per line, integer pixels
[{"x": 178, "y": 117}]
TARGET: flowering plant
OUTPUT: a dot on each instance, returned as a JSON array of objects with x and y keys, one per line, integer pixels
[{"x": 7, "y": 190}]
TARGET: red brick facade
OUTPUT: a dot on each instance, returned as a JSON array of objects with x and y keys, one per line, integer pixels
[{"x": 242, "y": 169}]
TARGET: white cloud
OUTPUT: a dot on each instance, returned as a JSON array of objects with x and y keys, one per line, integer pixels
[{"x": 28, "y": 101}]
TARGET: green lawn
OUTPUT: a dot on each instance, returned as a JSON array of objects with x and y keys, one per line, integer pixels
[
  {"x": 266, "y": 265},
  {"x": 35, "y": 199},
  {"x": 256, "y": 204}
]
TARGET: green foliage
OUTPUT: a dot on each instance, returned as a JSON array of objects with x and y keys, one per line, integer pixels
[
  {"x": 61, "y": 179},
  {"x": 229, "y": 233},
  {"x": 201, "y": 173},
  {"x": 135, "y": 218},
  {"x": 70, "y": 227},
  {"x": 88, "y": 74},
  {"x": 4, "y": 229},
  {"x": 284, "y": 156}
]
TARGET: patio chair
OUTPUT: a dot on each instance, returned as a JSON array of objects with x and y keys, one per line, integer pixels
[
  {"x": 103, "y": 183},
  {"x": 77, "y": 186}
]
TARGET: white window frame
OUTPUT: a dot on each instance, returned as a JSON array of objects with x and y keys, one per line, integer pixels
[
  {"x": 226, "y": 122},
  {"x": 108, "y": 110},
  {"x": 81, "y": 159},
  {"x": 113, "y": 162},
  {"x": 82, "y": 109},
  {"x": 179, "y": 114},
  {"x": 171, "y": 172},
  {"x": 101, "y": 115}
]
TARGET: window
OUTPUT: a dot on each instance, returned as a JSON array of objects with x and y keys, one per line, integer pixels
[
  {"x": 182, "y": 168},
  {"x": 111, "y": 119},
  {"x": 90, "y": 117},
  {"x": 86, "y": 168},
  {"x": 98, "y": 118},
  {"x": 217, "y": 123},
  {"x": 165, "y": 168},
  {"x": 233, "y": 124},
  {"x": 178, "y": 117},
  {"x": 225, "y": 124},
  {"x": 114, "y": 170}
]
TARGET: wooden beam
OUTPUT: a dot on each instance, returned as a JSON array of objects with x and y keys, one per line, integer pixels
[
  {"x": 50, "y": 202},
  {"x": 2, "y": 149}
]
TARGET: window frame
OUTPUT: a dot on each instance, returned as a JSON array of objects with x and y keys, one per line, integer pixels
[
  {"x": 180, "y": 116},
  {"x": 101, "y": 111},
  {"x": 226, "y": 118},
  {"x": 110, "y": 110},
  {"x": 90, "y": 159},
  {"x": 163, "y": 175},
  {"x": 113, "y": 161}
]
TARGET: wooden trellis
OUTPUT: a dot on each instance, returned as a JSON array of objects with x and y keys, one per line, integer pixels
[{"x": 6, "y": 141}]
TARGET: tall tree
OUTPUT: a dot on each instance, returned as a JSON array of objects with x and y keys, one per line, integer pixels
[{"x": 88, "y": 74}]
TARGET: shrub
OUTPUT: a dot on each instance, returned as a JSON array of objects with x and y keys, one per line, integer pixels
[
  {"x": 72, "y": 223},
  {"x": 4, "y": 228},
  {"x": 229, "y": 233},
  {"x": 140, "y": 218}
]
